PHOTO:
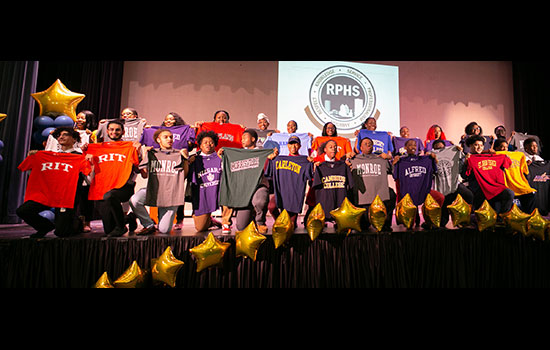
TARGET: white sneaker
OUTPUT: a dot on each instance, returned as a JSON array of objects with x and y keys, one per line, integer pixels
[{"x": 226, "y": 229}]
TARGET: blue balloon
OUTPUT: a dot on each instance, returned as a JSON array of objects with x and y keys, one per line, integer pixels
[
  {"x": 46, "y": 132},
  {"x": 37, "y": 137},
  {"x": 1, "y": 145},
  {"x": 63, "y": 120},
  {"x": 43, "y": 122},
  {"x": 48, "y": 214}
]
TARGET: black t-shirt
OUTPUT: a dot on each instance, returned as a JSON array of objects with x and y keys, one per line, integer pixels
[
  {"x": 331, "y": 182},
  {"x": 539, "y": 179}
]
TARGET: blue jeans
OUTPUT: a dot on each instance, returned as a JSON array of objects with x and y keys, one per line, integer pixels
[{"x": 166, "y": 214}]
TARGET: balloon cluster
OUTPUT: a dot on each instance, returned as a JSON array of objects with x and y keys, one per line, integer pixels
[{"x": 57, "y": 109}]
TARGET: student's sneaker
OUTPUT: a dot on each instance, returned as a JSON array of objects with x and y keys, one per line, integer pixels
[
  {"x": 178, "y": 225},
  {"x": 226, "y": 229}
]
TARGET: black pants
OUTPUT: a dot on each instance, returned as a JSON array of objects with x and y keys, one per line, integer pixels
[
  {"x": 110, "y": 208},
  {"x": 66, "y": 223},
  {"x": 501, "y": 203}
]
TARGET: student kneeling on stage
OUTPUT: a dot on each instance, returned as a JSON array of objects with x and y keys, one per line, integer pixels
[
  {"x": 166, "y": 169},
  {"x": 53, "y": 183}
]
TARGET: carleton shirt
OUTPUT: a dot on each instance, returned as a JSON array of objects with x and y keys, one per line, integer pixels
[
  {"x": 54, "y": 177},
  {"x": 113, "y": 162}
]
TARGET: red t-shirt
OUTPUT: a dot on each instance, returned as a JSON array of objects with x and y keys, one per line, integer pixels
[
  {"x": 113, "y": 163},
  {"x": 488, "y": 170},
  {"x": 54, "y": 177},
  {"x": 230, "y": 135}
]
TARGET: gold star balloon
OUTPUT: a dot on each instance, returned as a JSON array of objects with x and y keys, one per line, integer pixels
[
  {"x": 104, "y": 281},
  {"x": 405, "y": 212},
  {"x": 210, "y": 252},
  {"x": 431, "y": 211},
  {"x": 348, "y": 217},
  {"x": 2, "y": 116},
  {"x": 377, "y": 213},
  {"x": 536, "y": 225},
  {"x": 166, "y": 267},
  {"x": 133, "y": 277},
  {"x": 516, "y": 220},
  {"x": 283, "y": 228},
  {"x": 248, "y": 241},
  {"x": 486, "y": 216},
  {"x": 315, "y": 222},
  {"x": 460, "y": 212},
  {"x": 58, "y": 100}
]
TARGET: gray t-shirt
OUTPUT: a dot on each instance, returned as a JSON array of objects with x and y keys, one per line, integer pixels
[
  {"x": 519, "y": 138},
  {"x": 133, "y": 128},
  {"x": 370, "y": 176},
  {"x": 450, "y": 161},
  {"x": 166, "y": 178}
]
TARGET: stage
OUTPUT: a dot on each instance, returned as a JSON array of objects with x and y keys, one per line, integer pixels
[{"x": 416, "y": 259}]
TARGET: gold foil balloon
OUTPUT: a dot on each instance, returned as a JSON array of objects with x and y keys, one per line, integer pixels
[
  {"x": 210, "y": 252},
  {"x": 133, "y": 277},
  {"x": 104, "y": 281},
  {"x": 248, "y": 241},
  {"x": 536, "y": 225},
  {"x": 166, "y": 267},
  {"x": 516, "y": 219},
  {"x": 405, "y": 212},
  {"x": 2, "y": 116},
  {"x": 377, "y": 213},
  {"x": 283, "y": 228},
  {"x": 315, "y": 222},
  {"x": 347, "y": 217},
  {"x": 58, "y": 100},
  {"x": 486, "y": 216},
  {"x": 431, "y": 211},
  {"x": 460, "y": 212}
]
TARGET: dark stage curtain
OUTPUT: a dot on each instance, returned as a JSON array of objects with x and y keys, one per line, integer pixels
[
  {"x": 531, "y": 108},
  {"x": 17, "y": 82},
  {"x": 443, "y": 258}
]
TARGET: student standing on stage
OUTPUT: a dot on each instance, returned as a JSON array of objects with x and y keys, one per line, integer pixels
[
  {"x": 485, "y": 176},
  {"x": 204, "y": 177},
  {"x": 166, "y": 169},
  {"x": 63, "y": 169}
]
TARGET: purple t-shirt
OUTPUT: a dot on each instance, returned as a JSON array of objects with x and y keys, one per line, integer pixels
[
  {"x": 290, "y": 175},
  {"x": 415, "y": 175},
  {"x": 182, "y": 135},
  {"x": 399, "y": 145},
  {"x": 205, "y": 174},
  {"x": 429, "y": 145}
]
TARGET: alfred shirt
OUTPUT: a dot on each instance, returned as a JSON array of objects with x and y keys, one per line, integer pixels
[
  {"x": 113, "y": 163},
  {"x": 183, "y": 134},
  {"x": 165, "y": 178},
  {"x": 488, "y": 172},
  {"x": 370, "y": 177},
  {"x": 54, "y": 177},
  {"x": 415, "y": 175},
  {"x": 381, "y": 141},
  {"x": 205, "y": 173},
  {"x": 242, "y": 173},
  {"x": 331, "y": 182},
  {"x": 290, "y": 175}
]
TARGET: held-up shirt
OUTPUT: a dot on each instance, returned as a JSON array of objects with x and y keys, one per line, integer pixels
[
  {"x": 415, "y": 176},
  {"x": 282, "y": 139},
  {"x": 539, "y": 179},
  {"x": 113, "y": 162},
  {"x": 331, "y": 183},
  {"x": 399, "y": 145},
  {"x": 183, "y": 134},
  {"x": 370, "y": 178},
  {"x": 54, "y": 177},
  {"x": 205, "y": 173},
  {"x": 381, "y": 141},
  {"x": 343, "y": 144},
  {"x": 165, "y": 178},
  {"x": 133, "y": 128},
  {"x": 487, "y": 170},
  {"x": 230, "y": 135},
  {"x": 450, "y": 163},
  {"x": 514, "y": 176},
  {"x": 290, "y": 175}
]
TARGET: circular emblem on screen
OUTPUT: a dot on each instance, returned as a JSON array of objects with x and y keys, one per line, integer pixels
[{"x": 342, "y": 95}]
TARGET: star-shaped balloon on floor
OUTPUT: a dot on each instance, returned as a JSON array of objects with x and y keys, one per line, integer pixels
[
  {"x": 405, "y": 212},
  {"x": 536, "y": 225},
  {"x": 377, "y": 213},
  {"x": 58, "y": 100},
  {"x": 2, "y": 116},
  {"x": 315, "y": 222},
  {"x": 133, "y": 277},
  {"x": 516, "y": 220},
  {"x": 248, "y": 241},
  {"x": 210, "y": 252},
  {"x": 166, "y": 268},
  {"x": 283, "y": 228},
  {"x": 460, "y": 211},
  {"x": 486, "y": 216},
  {"x": 348, "y": 217}
]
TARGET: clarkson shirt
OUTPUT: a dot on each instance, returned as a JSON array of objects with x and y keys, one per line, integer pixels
[
  {"x": 381, "y": 141},
  {"x": 290, "y": 175},
  {"x": 370, "y": 178},
  {"x": 54, "y": 177},
  {"x": 344, "y": 146},
  {"x": 488, "y": 170},
  {"x": 242, "y": 173},
  {"x": 113, "y": 163},
  {"x": 331, "y": 182},
  {"x": 165, "y": 178},
  {"x": 514, "y": 176},
  {"x": 415, "y": 175},
  {"x": 230, "y": 135}
]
